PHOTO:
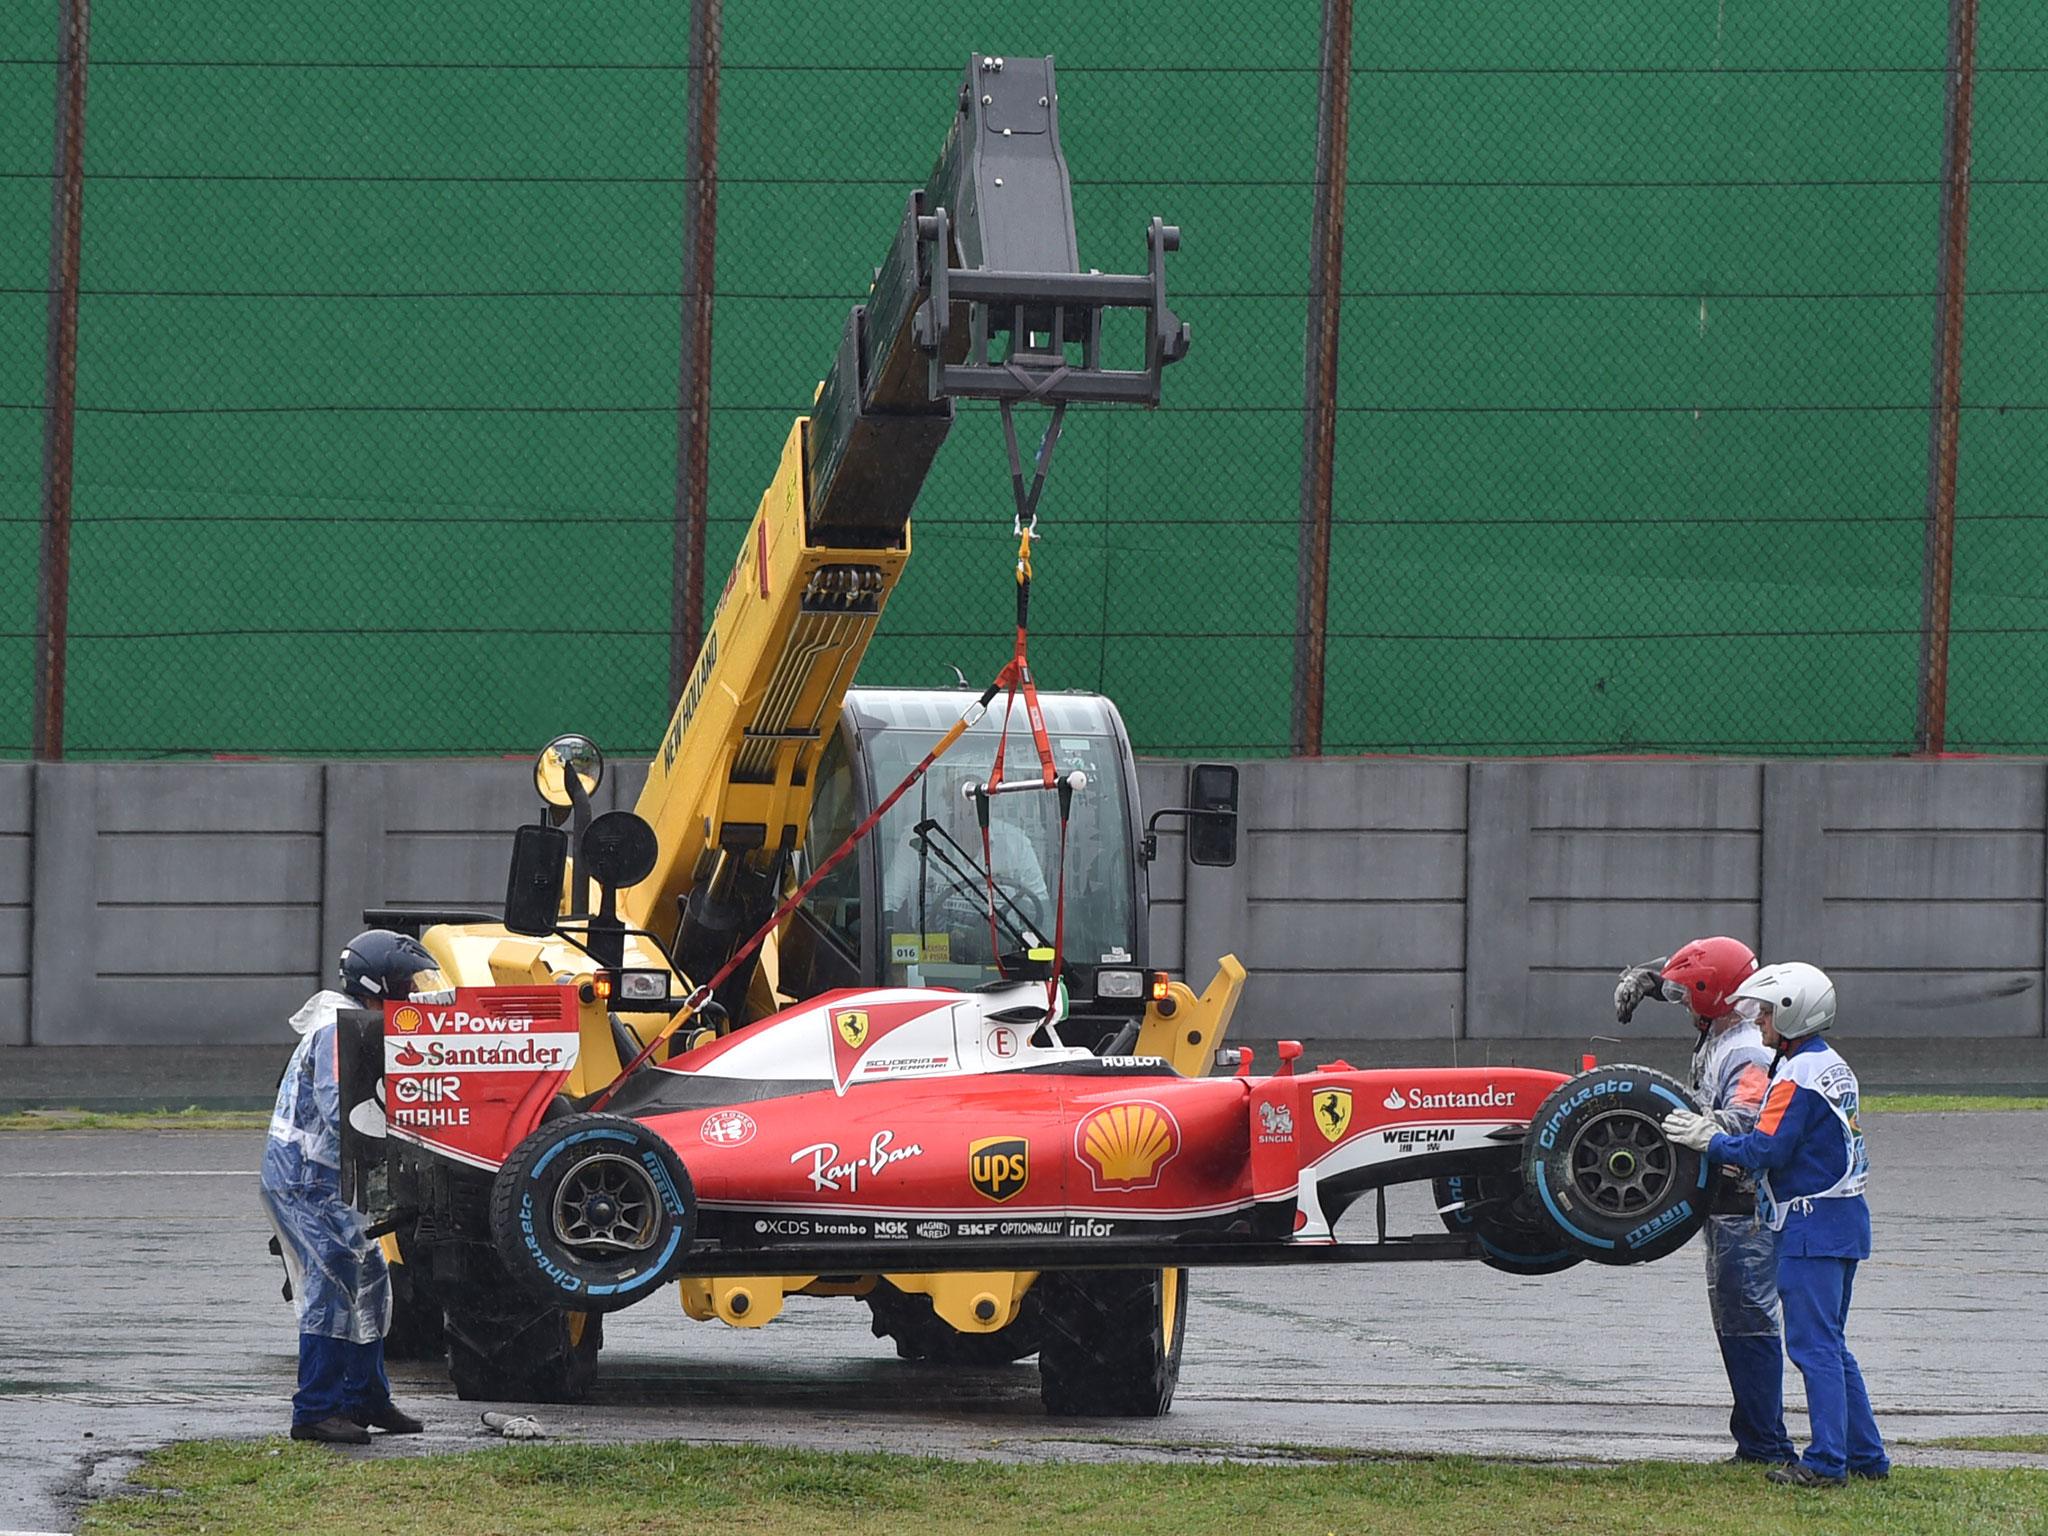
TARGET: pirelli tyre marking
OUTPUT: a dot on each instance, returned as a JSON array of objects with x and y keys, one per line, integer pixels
[
  {"x": 1616, "y": 1189},
  {"x": 592, "y": 1209}
]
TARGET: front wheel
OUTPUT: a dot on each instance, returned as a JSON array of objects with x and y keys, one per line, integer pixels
[
  {"x": 1112, "y": 1342},
  {"x": 592, "y": 1212},
  {"x": 1514, "y": 1235},
  {"x": 1603, "y": 1174}
]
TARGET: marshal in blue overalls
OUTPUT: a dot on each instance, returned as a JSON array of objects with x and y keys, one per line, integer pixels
[{"x": 1812, "y": 1165}]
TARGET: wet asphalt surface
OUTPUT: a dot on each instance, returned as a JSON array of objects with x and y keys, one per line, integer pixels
[{"x": 138, "y": 1306}]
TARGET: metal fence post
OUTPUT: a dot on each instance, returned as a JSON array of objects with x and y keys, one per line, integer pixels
[
  {"x": 1945, "y": 393},
  {"x": 693, "y": 408},
  {"x": 1319, "y": 393},
  {"x": 60, "y": 376}
]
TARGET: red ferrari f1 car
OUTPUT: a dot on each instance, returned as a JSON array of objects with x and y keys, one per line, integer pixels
[{"x": 879, "y": 1136}]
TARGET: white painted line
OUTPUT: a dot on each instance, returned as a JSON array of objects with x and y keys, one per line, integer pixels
[
  {"x": 136, "y": 1173},
  {"x": 34, "y": 1533}
]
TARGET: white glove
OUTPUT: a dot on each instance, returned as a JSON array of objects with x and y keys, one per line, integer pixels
[
  {"x": 514, "y": 1426},
  {"x": 1690, "y": 1130},
  {"x": 1637, "y": 983}
]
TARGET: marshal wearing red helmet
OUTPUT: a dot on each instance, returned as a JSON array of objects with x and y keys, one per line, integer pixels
[
  {"x": 1731, "y": 1068},
  {"x": 1706, "y": 973}
]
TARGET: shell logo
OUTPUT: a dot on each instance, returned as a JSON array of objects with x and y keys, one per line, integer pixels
[
  {"x": 407, "y": 1020},
  {"x": 1127, "y": 1145}
]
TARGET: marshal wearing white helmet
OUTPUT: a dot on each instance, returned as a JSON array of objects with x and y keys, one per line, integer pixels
[{"x": 1812, "y": 1165}]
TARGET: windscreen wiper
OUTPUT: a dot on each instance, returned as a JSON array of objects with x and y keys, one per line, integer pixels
[{"x": 1017, "y": 921}]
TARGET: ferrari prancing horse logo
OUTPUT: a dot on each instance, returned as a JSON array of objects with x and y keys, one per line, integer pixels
[
  {"x": 1333, "y": 1112},
  {"x": 852, "y": 1024}
]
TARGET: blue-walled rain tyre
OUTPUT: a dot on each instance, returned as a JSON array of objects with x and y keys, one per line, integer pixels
[
  {"x": 592, "y": 1213},
  {"x": 1515, "y": 1237},
  {"x": 1602, "y": 1173}
]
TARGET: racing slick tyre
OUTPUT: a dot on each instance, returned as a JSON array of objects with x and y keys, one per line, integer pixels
[
  {"x": 1112, "y": 1342},
  {"x": 503, "y": 1348},
  {"x": 592, "y": 1212},
  {"x": 1514, "y": 1235},
  {"x": 907, "y": 1320},
  {"x": 1602, "y": 1172},
  {"x": 416, "y": 1331}
]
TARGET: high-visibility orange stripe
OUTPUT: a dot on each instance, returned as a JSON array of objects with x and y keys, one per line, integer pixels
[
  {"x": 1775, "y": 1106},
  {"x": 1750, "y": 1084}
]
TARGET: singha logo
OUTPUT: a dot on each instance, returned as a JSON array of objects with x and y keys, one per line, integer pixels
[{"x": 1278, "y": 1119}]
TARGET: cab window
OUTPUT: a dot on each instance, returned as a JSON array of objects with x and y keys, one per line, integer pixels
[{"x": 835, "y": 903}]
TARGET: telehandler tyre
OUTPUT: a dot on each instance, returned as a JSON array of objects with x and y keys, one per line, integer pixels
[
  {"x": 417, "y": 1331},
  {"x": 919, "y": 1333},
  {"x": 1112, "y": 1342},
  {"x": 503, "y": 1348}
]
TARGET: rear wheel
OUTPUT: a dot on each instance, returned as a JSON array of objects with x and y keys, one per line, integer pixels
[
  {"x": 907, "y": 1320},
  {"x": 1112, "y": 1343},
  {"x": 592, "y": 1212},
  {"x": 1514, "y": 1235},
  {"x": 1604, "y": 1175}
]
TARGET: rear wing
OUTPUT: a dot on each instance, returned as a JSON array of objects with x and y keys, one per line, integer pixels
[
  {"x": 467, "y": 1080},
  {"x": 359, "y": 1059}
]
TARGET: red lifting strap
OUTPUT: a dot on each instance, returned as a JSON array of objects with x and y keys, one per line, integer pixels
[
  {"x": 704, "y": 993},
  {"x": 1016, "y": 678},
  {"x": 1013, "y": 679}
]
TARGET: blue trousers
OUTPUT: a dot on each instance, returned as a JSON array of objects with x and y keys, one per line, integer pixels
[
  {"x": 1815, "y": 1293},
  {"x": 339, "y": 1379}
]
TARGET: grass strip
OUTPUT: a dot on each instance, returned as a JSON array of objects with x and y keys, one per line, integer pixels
[
  {"x": 1949, "y": 1103},
  {"x": 244, "y": 1488},
  {"x": 2027, "y": 1445},
  {"x": 193, "y": 1119}
]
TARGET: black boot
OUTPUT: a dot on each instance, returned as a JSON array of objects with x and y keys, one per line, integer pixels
[
  {"x": 390, "y": 1418},
  {"x": 1800, "y": 1475},
  {"x": 334, "y": 1431}
]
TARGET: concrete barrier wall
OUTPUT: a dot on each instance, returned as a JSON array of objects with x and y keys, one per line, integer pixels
[
  {"x": 1496, "y": 899},
  {"x": 17, "y": 816},
  {"x": 1373, "y": 900}
]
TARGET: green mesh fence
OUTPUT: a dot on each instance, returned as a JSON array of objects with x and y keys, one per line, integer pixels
[
  {"x": 1169, "y": 535},
  {"x": 376, "y": 426},
  {"x": 27, "y": 41}
]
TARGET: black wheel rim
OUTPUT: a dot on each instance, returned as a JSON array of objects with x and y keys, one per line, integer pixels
[
  {"x": 1621, "y": 1164},
  {"x": 606, "y": 1204}
]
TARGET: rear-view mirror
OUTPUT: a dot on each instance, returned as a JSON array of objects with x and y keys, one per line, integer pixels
[
  {"x": 1212, "y": 828},
  {"x": 619, "y": 849},
  {"x": 533, "y": 890}
]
